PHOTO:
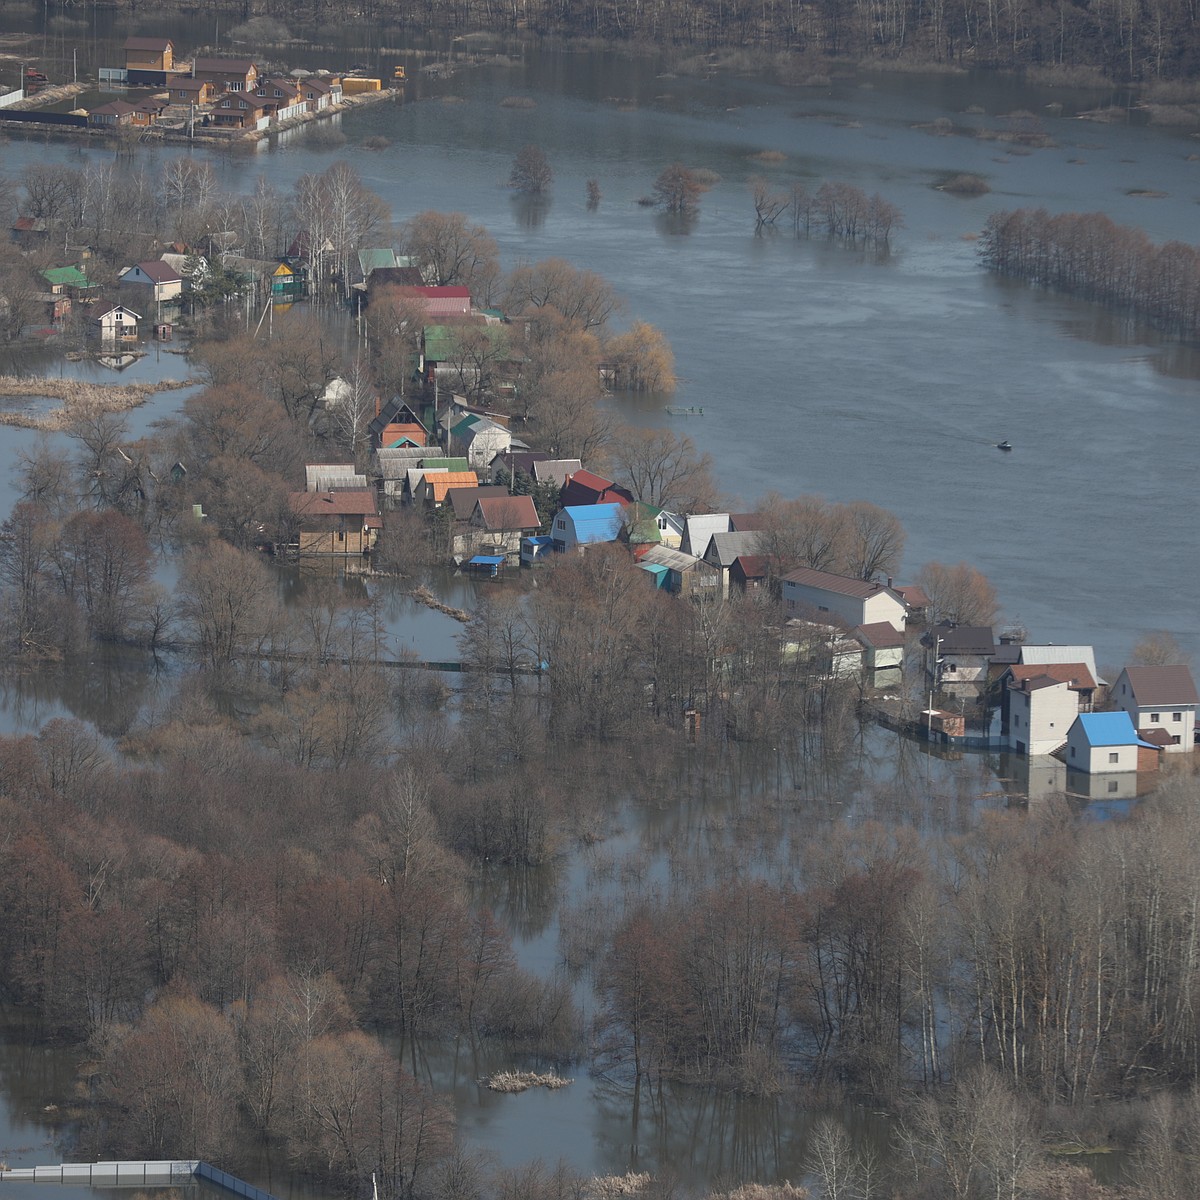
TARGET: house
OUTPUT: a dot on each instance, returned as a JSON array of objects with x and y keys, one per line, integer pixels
[
  {"x": 1107, "y": 743},
  {"x": 392, "y": 466},
  {"x": 480, "y": 439},
  {"x": 345, "y": 522},
  {"x": 556, "y": 470},
  {"x": 1161, "y": 703},
  {"x": 750, "y": 572},
  {"x": 584, "y": 488},
  {"x": 113, "y": 115},
  {"x": 687, "y": 575},
  {"x": 959, "y": 658},
  {"x": 287, "y": 284},
  {"x": 69, "y": 281},
  {"x": 461, "y": 500},
  {"x": 536, "y": 550},
  {"x": 883, "y": 651},
  {"x": 916, "y": 599},
  {"x": 510, "y": 463},
  {"x": 501, "y": 523},
  {"x": 226, "y": 74},
  {"x": 1076, "y": 676},
  {"x": 824, "y": 649},
  {"x": 281, "y": 97},
  {"x": 320, "y": 94},
  {"x": 396, "y": 424},
  {"x": 436, "y": 483},
  {"x": 699, "y": 528},
  {"x": 56, "y": 307},
  {"x": 117, "y": 323},
  {"x": 148, "y": 61},
  {"x": 165, "y": 283},
  {"x": 29, "y": 231},
  {"x": 1041, "y": 711},
  {"x": 442, "y": 302},
  {"x": 580, "y": 525},
  {"x": 468, "y": 355},
  {"x": 189, "y": 91},
  {"x": 723, "y": 548},
  {"x": 239, "y": 110},
  {"x": 854, "y": 602}
]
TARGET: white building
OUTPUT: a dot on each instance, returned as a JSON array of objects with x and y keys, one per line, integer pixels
[
  {"x": 1161, "y": 702},
  {"x": 1041, "y": 711},
  {"x": 820, "y": 595}
]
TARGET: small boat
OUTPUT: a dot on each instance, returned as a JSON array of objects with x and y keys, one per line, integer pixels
[
  {"x": 1003, "y": 445},
  {"x": 679, "y": 410}
]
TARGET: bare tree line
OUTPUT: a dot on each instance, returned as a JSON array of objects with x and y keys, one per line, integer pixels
[
  {"x": 1089, "y": 255},
  {"x": 837, "y": 210}
]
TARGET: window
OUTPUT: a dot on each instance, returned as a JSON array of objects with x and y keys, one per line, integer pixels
[
  {"x": 236, "y": 86},
  {"x": 278, "y": 92},
  {"x": 1114, "y": 756},
  {"x": 1154, "y": 718},
  {"x": 1112, "y": 785},
  {"x": 242, "y": 104},
  {"x": 1177, "y": 716},
  {"x": 951, "y": 668},
  {"x": 1016, "y": 719},
  {"x": 1175, "y": 740},
  {"x": 1072, "y": 751},
  {"x": 560, "y": 524}
]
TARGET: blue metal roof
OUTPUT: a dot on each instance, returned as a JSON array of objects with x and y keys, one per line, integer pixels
[
  {"x": 595, "y": 522},
  {"x": 1110, "y": 729},
  {"x": 487, "y": 560}
]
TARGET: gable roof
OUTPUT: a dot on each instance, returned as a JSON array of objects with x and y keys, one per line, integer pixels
[
  {"x": 880, "y": 635},
  {"x": 440, "y": 482},
  {"x": 596, "y": 522},
  {"x": 1109, "y": 729},
  {"x": 464, "y": 499},
  {"x": 441, "y": 341},
  {"x": 508, "y": 512},
  {"x": 159, "y": 272},
  {"x": 148, "y": 43},
  {"x": 351, "y": 502},
  {"x": 373, "y": 260},
  {"x": 585, "y": 487},
  {"x": 555, "y": 470},
  {"x": 912, "y": 594},
  {"x": 1162, "y": 685},
  {"x": 67, "y": 277},
  {"x": 673, "y": 560},
  {"x": 746, "y": 522},
  {"x": 699, "y": 528},
  {"x": 840, "y": 585},
  {"x": 1075, "y": 674},
  {"x": 752, "y": 566},
  {"x": 222, "y": 66},
  {"x": 1045, "y": 655},
  {"x": 112, "y": 308},
  {"x": 723, "y": 548}
]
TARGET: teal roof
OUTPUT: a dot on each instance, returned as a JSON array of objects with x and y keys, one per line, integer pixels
[
  {"x": 465, "y": 425},
  {"x": 374, "y": 260},
  {"x": 451, "y": 464}
]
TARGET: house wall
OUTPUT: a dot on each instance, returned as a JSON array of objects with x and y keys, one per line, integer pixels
[
  {"x": 1100, "y": 760},
  {"x": 1040, "y": 720},
  {"x": 703, "y": 582},
  {"x": 963, "y": 674},
  {"x": 331, "y": 541},
  {"x": 851, "y": 609},
  {"x": 1184, "y": 728}
]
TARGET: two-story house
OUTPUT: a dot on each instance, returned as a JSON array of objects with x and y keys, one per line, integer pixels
[
  {"x": 1161, "y": 702},
  {"x": 821, "y": 596}
]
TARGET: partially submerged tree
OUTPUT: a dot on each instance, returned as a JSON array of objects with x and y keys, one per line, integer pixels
[
  {"x": 531, "y": 171},
  {"x": 678, "y": 190}
]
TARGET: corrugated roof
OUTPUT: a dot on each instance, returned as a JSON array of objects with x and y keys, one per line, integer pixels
[
  {"x": 1109, "y": 729},
  {"x": 441, "y": 341},
  {"x": 912, "y": 595},
  {"x": 753, "y": 566},
  {"x": 464, "y": 499},
  {"x": 880, "y": 635},
  {"x": 555, "y": 470},
  {"x": 596, "y": 522},
  {"x": 159, "y": 271},
  {"x": 67, "y": 277},
  {"x": 840, "y": 585},
  {"x": 1044, "y": 655},
  {"x": 447, "y": 464},
  {"x": 723, "y": 548},
  {"x": 371, "y": 260},
  {"x": 1162, "y": 685},
  {"x": 961, "y": 639},
  {"x": 674, "y": 560},
  {"x": 440, "y": 483},
  {"x": 699, "y": 528}
]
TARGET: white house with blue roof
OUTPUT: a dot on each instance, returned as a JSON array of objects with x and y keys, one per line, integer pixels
[
  {"x": 580, "y": 525},
  {"x": 1106, "y": 743}
]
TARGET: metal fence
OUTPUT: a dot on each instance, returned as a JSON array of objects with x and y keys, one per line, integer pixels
[
  {"x": 231, "y": 1183},
  {"x": 45, "y": 118}
]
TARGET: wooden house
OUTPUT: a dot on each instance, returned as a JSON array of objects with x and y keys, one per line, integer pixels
[
  {"x": 436, "y": 483},
  {"x": 396, "y": 424},
  {"x": 186, "y": 90},
  {"x": 239, "y": 110},
  {"x": 583, "y": 487},
  {"x": 149, "y": 61},
  {"x": 337, "y": 522},
  {"x": 687, "y": 575},
  {"x": 580, "y": 525},
  {"x": 226, "y": 74}
]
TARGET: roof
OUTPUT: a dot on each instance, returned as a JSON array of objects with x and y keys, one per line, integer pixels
[
  {"x": 147, "y": 43},
  {"x": 1109, "y": 729},
  {"x": 159, "y": 272},
  {"x": 1156, "y": 736},
  {"x": 508, "y": 512},
  {"x": 746, "y": 522},
  {"x": 556, "y": 470},
  {"x": 350, "y": 502},
  {"x": 1162, "y": 685},
  {"x": 323, "y": 477},
  {"x": 430, "y": 462},
  {"x": 486, "y": 560},
  {"x": 115, "y": 108},
  {"x": 699, "y": 528},
  {"x": 441, "y": 340},
  {"x": 1035, "y": 683},
  {"x": 372, "y": 260},
  {"x": 1044, "y": 655},
  {"x": 912, "y": 594},
  {"x": 1076, "y": 674},
  {"x": 112, "y": 308},
  {"x": 29, "y": 225},
  {"x": 398, "y": 276},
  {"x": 596, "y": 522},
  {"x": 390, "y": 413},
  {"x": 752, "y": 566},
  {"x": 880, "y": 635},
  {"x": 723, "y": 548},
  {"x": 443, "y": 292},
  {"x": 464, "y": 499},
  {"x": 674, "y": 560},
  {"x": 961, "y": 639},
  {"x": 189, "y": 84},
  {"x": 67, "y": 277},
  {"x": 841, "y": 585},
  {"x": 440, "y": 482},
  {"x": 221, "y": 66},
  {"x": 585, "y": 487}
]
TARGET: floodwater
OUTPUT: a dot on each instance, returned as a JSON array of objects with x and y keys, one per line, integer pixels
[{"x": 820, "y": 369}]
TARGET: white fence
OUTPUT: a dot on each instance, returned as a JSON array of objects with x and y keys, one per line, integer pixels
[{"x": 12, "y": 96}]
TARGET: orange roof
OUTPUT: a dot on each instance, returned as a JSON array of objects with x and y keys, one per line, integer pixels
[{"x": 442, "y": 482}]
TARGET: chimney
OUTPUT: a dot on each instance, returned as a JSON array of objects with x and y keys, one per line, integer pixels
[{"x": 889, "y": 581}]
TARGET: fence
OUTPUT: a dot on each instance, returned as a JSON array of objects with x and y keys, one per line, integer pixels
[
  {"x": 152, "y": 1173},
  {"x": 45, "y": 118},
  {"x": 12, "y": 96}
]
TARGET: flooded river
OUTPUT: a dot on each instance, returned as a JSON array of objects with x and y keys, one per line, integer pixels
[{"x": 819, "y": 369}]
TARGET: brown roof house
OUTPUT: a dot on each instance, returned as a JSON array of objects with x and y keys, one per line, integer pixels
[
  {"x": 498, "y": 523},
  {"x": 226, "y": 74},
  {"x": 1161, "y": 702},
  {"x": 340, "y": 522},
  {"x": 823, "y": 596},
  {"x": 149, "y": 60},
  {"x": 163, "y": 282},
  {"x": 883, "y": 652}
]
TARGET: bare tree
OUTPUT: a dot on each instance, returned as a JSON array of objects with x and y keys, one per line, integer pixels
[
  {"x": 959, "y": 593},
  {"x": 531, "y": 171},
  {"x": 448, "y": 250},
  {"x": 641, "y": 360},
  {"x": 663, "y": 470},
  {"x": 769, "y": 205},
  {"x": 677, "y": 190},
  {"x": 1158, "y": 648}
]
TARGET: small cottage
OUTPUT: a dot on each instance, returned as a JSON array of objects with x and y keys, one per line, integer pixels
[{"x": 1106, "y": 743}]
